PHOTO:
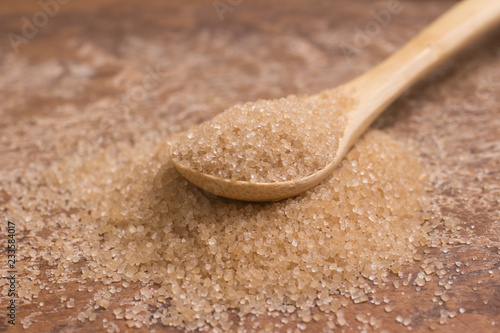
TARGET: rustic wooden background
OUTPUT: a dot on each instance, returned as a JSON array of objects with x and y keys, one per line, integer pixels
[{"x": 265, "y": 49}]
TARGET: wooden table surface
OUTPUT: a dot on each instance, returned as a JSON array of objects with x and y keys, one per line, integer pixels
[{"x": 202, "y": 59}]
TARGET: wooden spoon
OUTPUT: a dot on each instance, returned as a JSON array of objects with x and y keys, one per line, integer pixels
[{"x": 373, "y": 91}]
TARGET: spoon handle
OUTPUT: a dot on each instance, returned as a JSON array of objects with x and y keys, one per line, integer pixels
[{"x": 379, "y": 87}]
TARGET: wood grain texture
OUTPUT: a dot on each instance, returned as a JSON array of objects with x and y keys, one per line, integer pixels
[{"x": 261, "y": 49}]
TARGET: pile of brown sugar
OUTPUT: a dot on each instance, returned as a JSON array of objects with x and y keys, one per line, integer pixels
[
  {"x": 139, "y": 220},
  {"x": 268, "y": 140}
]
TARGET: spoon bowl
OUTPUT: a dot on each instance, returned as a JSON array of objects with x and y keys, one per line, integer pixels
[{"x": 249, "y": 191}]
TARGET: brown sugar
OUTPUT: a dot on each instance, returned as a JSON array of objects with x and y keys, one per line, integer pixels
[
  {"x": 144, "y": 222},
  {"x": 267, "y": 141}
]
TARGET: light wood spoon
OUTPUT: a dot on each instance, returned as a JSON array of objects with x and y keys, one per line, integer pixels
[{"x": 374, "y": 91}]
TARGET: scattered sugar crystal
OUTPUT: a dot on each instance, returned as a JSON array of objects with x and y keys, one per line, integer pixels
[
  {"x": 340, "y": 318},
  {"x": 81, "y": 316}
]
